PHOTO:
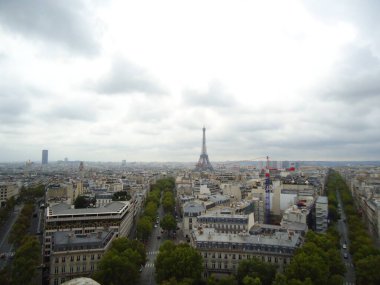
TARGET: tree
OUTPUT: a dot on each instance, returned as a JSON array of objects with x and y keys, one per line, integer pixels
[
  {"x": 178, "y": 261},
  {"x": 256, "y": 268},
  {"x": 305, "y": 265},
  {"x": 81, "y": 202},
  {"x": 120, "y": 265},
  {"x": 248, "y": 280},
  {"x": 121, "y": 196},
  {"x": 168, "y": 223},
  {"x": 367, "y": 270},
  {"x": 26, "y": 261},
  {"x": 144, "y": 227}
]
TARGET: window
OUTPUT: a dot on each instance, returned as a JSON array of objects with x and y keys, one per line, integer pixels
[
  {"x": 63, "y": 259},
  {"x": 84, "y": 268},
  {"x": 234, "y": 256},
  {"x": 78, "y": 257},
  {"x": 219, "y": 255},
  {"x": 63, "y": 280},
  {"x": 56, "y": 270},
  {"x": 72, "y": 258},
  {"x": 84, "y": 257},
  {"x": 71, "y": 269},
  {"x": 78, "y": 268},
  {"x": 213, "y": 265},
  {"x": 56, "y": 260},
  {"x": 92, "y": 257},
  {"x": 239, "y": 256},
  {"x": 92, "y": 267},
  {"x": 56, "y": 281},
  {"x": 225, "y": 256},
  {"x": 99, "y": 255},
  {"x": 205, "y": 255},
  {"x": 63, "y": 270}
]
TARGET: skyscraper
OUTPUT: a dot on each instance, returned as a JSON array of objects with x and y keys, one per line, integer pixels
[{"x": 45, "y": 155}]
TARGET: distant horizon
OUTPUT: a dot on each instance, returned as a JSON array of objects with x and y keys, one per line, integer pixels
[{"x": 174, "y": 161}]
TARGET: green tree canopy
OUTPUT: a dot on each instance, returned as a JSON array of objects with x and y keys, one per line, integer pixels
[
  {"x": 255, "y": 268},
  {"x": 144, "y": 227},
  {"x": 26, "y": 261},
  {"x": 178, "y": 261},
  {"x": 168, "y": 223},
  {"x": 120, "y": 265}
]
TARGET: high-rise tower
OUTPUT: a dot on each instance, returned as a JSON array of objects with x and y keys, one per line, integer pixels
[
  {"x": 204, "y": 162},
  {"x": 45, "y": 156}
]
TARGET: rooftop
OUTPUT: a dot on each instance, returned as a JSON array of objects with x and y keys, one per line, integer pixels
[
  {"x": 193, "y": 207},
  {"x": 64, "y": 241},
  {"x": 115, "y": 207},
  {"x": 278, "y": 238}
]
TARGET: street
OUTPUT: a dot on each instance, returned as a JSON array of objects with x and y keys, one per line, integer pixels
[
  {"x": 147, "y": 276},
  {"x": 345, "y": 242},
  {"x": 6, "y": 249}
]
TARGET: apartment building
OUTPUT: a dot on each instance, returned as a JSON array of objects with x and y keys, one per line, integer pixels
[
  {"x": 7, "y": 191},
  {"x": 225, "y": 221},
  {"x": 116, "y": 216},
  {"x": 222, "y": 252},
  {"x": 321, "y": 214},
  {"x": 76, "y": 255}
]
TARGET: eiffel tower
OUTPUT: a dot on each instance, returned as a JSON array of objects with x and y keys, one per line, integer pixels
[{"x": 203, "y": 162}]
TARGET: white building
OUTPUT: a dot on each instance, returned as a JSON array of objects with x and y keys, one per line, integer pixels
[{"x": 321, "y": 214}]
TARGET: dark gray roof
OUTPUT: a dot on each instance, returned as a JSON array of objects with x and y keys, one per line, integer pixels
[
  {"x": 193, "y": 207},
  {"x": 65, "y": 209}
]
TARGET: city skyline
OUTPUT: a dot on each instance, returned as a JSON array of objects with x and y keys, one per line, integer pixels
[{"x": 107, "y": 81}]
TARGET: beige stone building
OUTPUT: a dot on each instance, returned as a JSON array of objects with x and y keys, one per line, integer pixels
[
  {"x": 76, "y": 255},
  {"x": 222, "y": 252},
  {"x": 7, "y": 191}
]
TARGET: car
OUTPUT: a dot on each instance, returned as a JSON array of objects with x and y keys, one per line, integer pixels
[
  {"x": 344, "y": 246},
  {"x": 345, "y": 255}
]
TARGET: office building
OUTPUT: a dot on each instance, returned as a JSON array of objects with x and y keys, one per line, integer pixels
[{"x": 45, "y": 156}]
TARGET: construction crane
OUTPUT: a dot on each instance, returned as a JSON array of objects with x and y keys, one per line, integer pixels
[
  {"x": 267, "y": 193},
  {"x": 267, "y": 188}
]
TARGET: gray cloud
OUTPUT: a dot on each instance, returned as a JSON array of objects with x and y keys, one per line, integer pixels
[
  {"x": 72, "y": 112},
  {"x": 215, "y": 96},
  {"x": 125, "y": 77},
  {"x": 354, "y": 77},
  {"x": 66, "y": 23},
  {"x": 14, "y": 103}
]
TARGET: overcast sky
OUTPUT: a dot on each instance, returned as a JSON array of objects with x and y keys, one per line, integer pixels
[{"x": 137, "y": 80}]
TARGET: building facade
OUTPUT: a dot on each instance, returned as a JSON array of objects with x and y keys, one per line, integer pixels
[
  {"x": 321, "y": 214},
  {"x": 7, "y": 191},
  {"x": 77, "y": 255},
  {"x": 116, "y": 217},
  {"x": 222, "y": 252},
  {"x": 45, "y": 156}
]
